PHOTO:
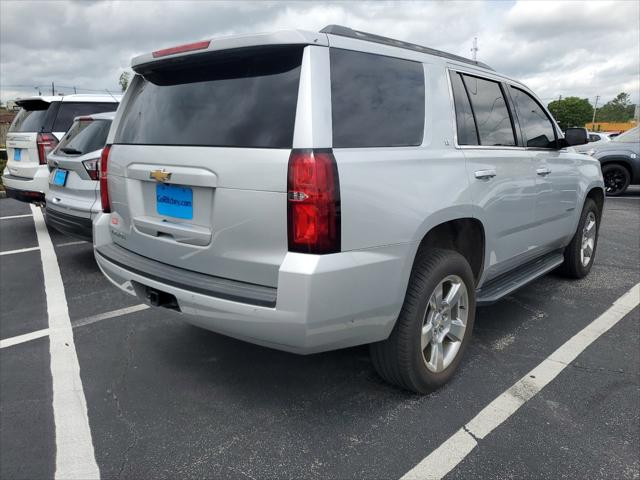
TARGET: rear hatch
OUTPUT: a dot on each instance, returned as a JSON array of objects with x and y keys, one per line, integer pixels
[
  {"x": 197, "y": 172},
  {"x": 36, "y": 116},
  {"x": 73, "y": 184}
]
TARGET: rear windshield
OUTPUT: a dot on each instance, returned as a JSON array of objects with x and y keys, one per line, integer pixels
[
  {"x": 84, "y": 136},
  {"x": 32, "y": 120},
  {"x": 69, "y": 110},
  {"x": 245, "y": 98}
]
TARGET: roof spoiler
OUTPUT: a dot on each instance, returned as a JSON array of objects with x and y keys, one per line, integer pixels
[
  {"x": 33, "y": 104},
  {"x": 370, "y": 37}
]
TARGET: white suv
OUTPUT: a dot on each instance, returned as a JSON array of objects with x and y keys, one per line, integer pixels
[{"x": 35, "y": 132}]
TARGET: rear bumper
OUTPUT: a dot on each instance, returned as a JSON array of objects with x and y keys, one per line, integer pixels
[
  {"x": 27, "y": 189},
  {"x": 71, "y": 225},
  {"x": 24, "y": 195},
  {"x": 321, "y": 302}
]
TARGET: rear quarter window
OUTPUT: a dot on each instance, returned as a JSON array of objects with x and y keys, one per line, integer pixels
[
  {"x": 376, "y": 101},
  {"x": 244, "y": 98}
]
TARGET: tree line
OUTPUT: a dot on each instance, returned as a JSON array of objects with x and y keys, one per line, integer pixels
[{"x": 576, "y": 112}]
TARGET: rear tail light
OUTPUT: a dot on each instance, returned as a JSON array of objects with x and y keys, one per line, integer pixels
[
  {"x": 46, "y": 143},
  {"x": 104, "y": 184},
  {"x": 313, "y": 200},
  {"x": 92, "y": 167}
]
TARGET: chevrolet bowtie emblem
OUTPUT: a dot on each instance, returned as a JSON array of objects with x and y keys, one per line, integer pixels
[{"x": 160, "y": 175}]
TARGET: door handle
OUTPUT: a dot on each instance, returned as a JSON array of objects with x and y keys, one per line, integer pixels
[
  {"x": 544, "y": 171},
  {"x": 485, "y": 174}
]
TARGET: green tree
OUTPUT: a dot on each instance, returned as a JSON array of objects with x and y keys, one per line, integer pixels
[
  {"x": 571, "y": 112},
  {"x": 124, "y": 80},
  {"x": 620, "y": 109}
]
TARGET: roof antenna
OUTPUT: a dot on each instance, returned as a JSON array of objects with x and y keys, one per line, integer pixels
[
  {"x": 112, "y": 95},
  {"x": 474, "y": 49}
]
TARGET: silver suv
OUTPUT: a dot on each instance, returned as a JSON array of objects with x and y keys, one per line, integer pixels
[{"x": 314, "y": 191}]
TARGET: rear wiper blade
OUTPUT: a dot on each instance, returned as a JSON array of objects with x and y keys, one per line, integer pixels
[{"x": 71, "y": 151}]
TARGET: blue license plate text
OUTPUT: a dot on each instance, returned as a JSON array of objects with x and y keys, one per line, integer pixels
[{"x": 174, "y": 201}]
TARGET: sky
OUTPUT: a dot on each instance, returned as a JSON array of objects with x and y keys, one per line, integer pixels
[{"x": 557, "y": 48}]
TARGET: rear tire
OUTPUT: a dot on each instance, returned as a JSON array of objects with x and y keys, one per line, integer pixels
[
  {"x": 580, "y": 253},
  {"x": 429, "y": 338},
  {"x": 616, "y": 179}
]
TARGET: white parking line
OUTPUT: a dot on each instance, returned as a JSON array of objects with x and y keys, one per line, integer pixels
[
  {"x": 20, "y": 250},
  {"x": 445, "y": 458},
  {"x": 9, "y": 217},
  {"x": 75, "y": 457},
  {"x": 111, "y": 314},
  {"x": 27, "y": 337},
  {"x": 68, "y": 244}
]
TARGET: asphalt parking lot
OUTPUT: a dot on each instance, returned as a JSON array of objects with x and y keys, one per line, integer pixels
[{"x": 166, "y": 400}]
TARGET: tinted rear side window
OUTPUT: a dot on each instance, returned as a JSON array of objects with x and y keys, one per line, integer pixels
[
  {"x": 466, "y": 124},
  {"x": 376, "y": 101},
  {"x": 245, "y": 98},
  {"x": 69, "y": 110},
  {"x": 491, "y": 112}
]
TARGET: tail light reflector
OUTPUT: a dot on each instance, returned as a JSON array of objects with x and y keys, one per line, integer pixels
[
  {"x": 92, "y": 167},
  {"x": 46, "y": 142},
  {"x": 313, "y": 201},
  {"x": 104, "y": 184}
]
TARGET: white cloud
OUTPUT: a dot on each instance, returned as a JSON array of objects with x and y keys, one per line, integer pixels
[{"x": 558, "y": 48}]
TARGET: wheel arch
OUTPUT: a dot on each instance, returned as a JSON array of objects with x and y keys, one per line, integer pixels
[
  {"x": 619, "y": 159},
  {"x": 464, "y": 235}
]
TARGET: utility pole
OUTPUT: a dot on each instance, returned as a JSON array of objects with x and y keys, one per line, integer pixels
[
  {"x": 52, "y": 89},
  {"x": 560, "y": 98},
  {"x": 595, "y": 109},
  {"x": 474, "y": 49},
  {"x": 74, "y": 90}
]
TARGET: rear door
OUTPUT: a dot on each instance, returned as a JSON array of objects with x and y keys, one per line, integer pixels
[
  {"x": 197, "y": 171},
  {"x": 22, "y": 151},
  {"x": 500, "y": 170}
]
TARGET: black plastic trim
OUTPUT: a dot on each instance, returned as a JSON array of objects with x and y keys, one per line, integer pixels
[
  {"x": 209, "y": 285},
  {"x": 70, "y": 225}
]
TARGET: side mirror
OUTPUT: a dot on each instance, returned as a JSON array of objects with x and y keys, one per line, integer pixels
[{"x": 575, "y": 136}]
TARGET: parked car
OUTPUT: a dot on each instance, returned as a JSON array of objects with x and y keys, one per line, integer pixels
[
  {"x": 35, "y": 132},
  {"x": 595, "y": 138},
  {"x": 620, "y": 161},
  {"x": 73, "y": 198},
  {"x": 312, "y": 191}
]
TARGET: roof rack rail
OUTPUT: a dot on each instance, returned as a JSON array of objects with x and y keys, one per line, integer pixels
[{"x": 370, "y": 37}]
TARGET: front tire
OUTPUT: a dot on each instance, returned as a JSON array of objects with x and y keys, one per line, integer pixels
[
  {"x": 434, "y": 326},
  {"x": 580, "y": 253}
]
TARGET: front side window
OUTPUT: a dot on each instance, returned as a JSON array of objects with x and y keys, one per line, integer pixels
[
  {"x": 376, "y": 101},
  {"x": 536, "y": 126},
  {"x": 491, "y": 112}
]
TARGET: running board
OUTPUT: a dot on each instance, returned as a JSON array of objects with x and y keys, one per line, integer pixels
[{"x": 495, "y": 289}]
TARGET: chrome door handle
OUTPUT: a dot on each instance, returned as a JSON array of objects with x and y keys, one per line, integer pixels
[
  {"x": 485, "y": 174},
  {"x": 543, "y": 171}
]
